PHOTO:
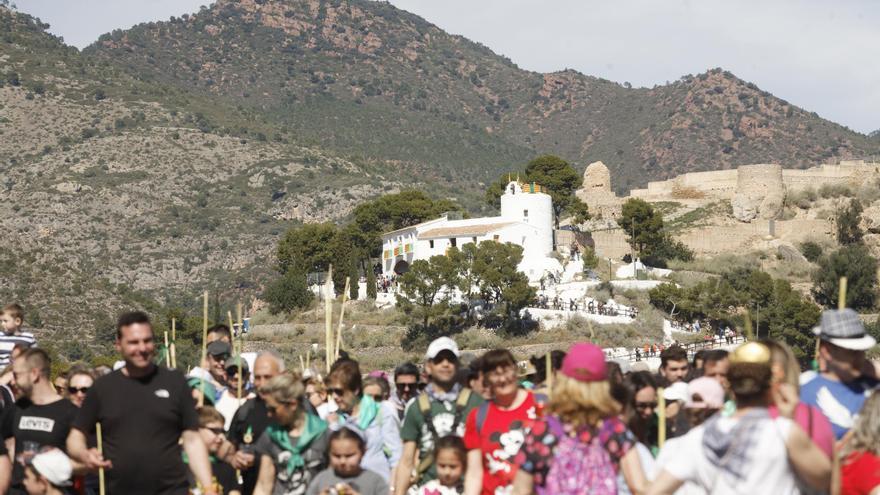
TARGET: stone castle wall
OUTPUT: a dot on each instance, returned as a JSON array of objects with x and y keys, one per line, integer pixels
[{"x": 722, "y": 184}]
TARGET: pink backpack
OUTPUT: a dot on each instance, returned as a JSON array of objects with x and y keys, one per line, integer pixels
[{"x": 579, "y": 468}]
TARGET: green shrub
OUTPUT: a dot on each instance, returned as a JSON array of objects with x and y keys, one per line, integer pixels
[
  {"x": 835, "y": 191},
  {"x": 287, "y": 293},
  {"x": 811, "y": 250}
]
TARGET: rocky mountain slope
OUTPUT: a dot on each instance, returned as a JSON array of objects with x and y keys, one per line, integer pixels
[
  {"x": 115, "y": 192},
  {"x": 168, "y": 158},
  {"x": 367, "y": 78}
]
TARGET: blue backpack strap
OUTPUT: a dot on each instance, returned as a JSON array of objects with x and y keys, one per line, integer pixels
[{"x": 482, "y": 414}]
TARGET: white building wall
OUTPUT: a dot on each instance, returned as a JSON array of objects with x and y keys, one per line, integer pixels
[{"x": 535, "y": 209}]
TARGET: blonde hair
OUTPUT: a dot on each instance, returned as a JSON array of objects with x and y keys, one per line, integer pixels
[
  {"x": 581, "y": 403},
  {"x": 866, "y": 431},
  {"x": 285, "y": 388},
  {"x": 781, "y": 355}
]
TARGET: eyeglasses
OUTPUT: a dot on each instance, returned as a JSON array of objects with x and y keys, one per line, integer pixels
[
  {"x": 646, "y": 405},
  {"x": 75, "y": 390},
  {"x": 335, "y": 391},
  {"x": 216, "y": 431}
]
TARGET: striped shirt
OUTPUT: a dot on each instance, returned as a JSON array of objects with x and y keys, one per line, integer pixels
[{"x": 8, "y": 342}]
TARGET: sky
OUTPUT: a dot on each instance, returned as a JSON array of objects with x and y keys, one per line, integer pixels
[{"x": 818, "y": 54}]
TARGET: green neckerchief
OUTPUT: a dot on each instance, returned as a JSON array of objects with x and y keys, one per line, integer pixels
[
  {"x": 368, "y": 409},
  {"x": 312, "y": 429}
]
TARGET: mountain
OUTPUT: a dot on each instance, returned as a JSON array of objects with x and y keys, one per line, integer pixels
[
  {"x": 117, "y": 193},
  {"x": 168, "y": 158},
  {"x": 367, "y": 78}
]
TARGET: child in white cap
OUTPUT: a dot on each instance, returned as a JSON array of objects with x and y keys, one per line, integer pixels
[{"x": 48, "y": 473}]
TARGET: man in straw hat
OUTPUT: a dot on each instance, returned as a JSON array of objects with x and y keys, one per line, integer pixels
[
  {"x": 749, "y": 451},
  {"x": 845, "y": 376}
]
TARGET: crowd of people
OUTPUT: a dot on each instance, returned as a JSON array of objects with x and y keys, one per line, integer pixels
[
  {"x": 741, "y": 421},
  {"x": 589, "y": 306}
]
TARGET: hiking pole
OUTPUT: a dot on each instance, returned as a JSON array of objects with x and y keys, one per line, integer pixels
[
  {"x": 167, "y": 352},
  {"x": 328, "y": 318},
  {"x": 661, "y": 418},
  {"x": 101, "y": 489},
  {"x": 548, "y": 373},
  {"x": 341, "y": 315},
  {"x": 204, "y": 347},
  {"x": 173, "y": 339}
]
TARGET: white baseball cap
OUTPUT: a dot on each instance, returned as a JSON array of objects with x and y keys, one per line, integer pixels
[
  {"x": 55, "y": 466},
  {"x": 441, "y": 344},
  {"x": 676, "y": 391}
]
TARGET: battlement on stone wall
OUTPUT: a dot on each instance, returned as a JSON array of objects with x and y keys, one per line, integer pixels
[{"x": 722, "y": 184}]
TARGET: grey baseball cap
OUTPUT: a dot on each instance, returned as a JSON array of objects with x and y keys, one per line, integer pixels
[{"x": 844, "y": 328}]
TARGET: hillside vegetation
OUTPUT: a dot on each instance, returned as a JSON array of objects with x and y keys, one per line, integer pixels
[{"x": 170, "y": 157}]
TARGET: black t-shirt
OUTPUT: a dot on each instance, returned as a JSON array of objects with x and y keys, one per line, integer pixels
[
  {"x": 251, "y": 415},
  {"x": 35, "y": 429},
  {"x": 142, "y": 420}
]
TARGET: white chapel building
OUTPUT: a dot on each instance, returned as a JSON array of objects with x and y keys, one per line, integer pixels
[{"x": 526, "y": 220}]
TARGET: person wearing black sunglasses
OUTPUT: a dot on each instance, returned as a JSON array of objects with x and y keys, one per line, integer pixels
[
  {"x": 79, "y": 381},
  {"x": 406, "y": 386},
  {"x": 214, "y": 435}
]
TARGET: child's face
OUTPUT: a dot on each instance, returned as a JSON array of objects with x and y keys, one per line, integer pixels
[
  {"x": 345, "y": 457},
  {"x": 212, "y": 434},
  {"x": 449, "y": 467},
  {"x": 10, "y": 324}
]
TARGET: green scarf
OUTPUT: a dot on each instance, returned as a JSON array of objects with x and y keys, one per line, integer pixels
[
  {"x": 368, "y": 409},
  {"x": 312, "y": 429}
]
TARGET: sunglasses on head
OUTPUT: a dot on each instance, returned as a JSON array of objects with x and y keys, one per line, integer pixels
[{"x": 74, "y": 390}]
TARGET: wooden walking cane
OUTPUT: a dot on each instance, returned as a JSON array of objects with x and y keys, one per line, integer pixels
[
  {"x": 341, "y": 315},
  {"x": 661, "y": 418},
  {"x": 173, "y": 340},
  {"x": 240, "y": 350},
  {"x": 101, "y": 489},
  {"x": 548, "y": 374},
  {"x": 204, "y": 347},
  {"x": 167, "y": 352},
  {"x": 328, "y": 318}
]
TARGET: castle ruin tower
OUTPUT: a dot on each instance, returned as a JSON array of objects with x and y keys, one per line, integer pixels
[
  {"x": 759, "y": 192},
  {"x": 596, "y": 192}
]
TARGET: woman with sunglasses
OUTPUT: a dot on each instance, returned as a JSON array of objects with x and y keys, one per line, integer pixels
[
  {"x": 641, "y": 411},
  {"x": 293, "y": 449},
  {"x": 79, "y": 381},
  {"x": 377, "y": 419}
]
